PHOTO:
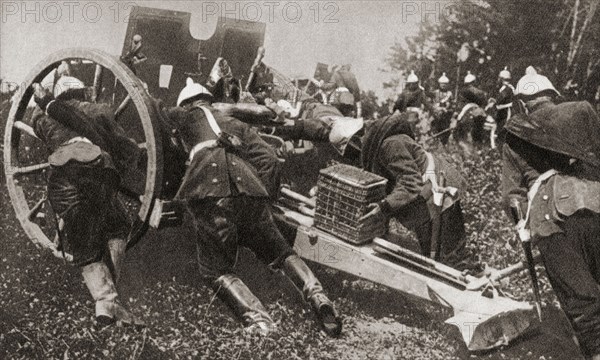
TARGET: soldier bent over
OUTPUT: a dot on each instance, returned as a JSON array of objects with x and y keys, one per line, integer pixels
[
  {"x": 225, "y": 189},
  {"x": 552, "y": 167},
  {"x": 82, "y": 189}
]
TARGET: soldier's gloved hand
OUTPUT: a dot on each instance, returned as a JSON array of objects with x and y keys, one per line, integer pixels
[
  {"x": 41, "y": 96},
  {"x": 374, "y": 211},
  {"x": 286, "y": 151}
]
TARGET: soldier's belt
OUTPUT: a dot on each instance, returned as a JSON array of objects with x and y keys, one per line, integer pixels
[
  {"x": 504, "y": 106},
  {"x": 438, "y": 191},
  {"x": 203, "y": 145}
]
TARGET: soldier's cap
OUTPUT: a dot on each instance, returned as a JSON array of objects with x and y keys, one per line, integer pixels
[
  {"x": 470, "y": 78},
  {"x": 505, "y": 74},
  {"x": 192, "y": 90},
  {"x": 532, "y": 84},
  {"x": 443, "y": 79},
  {"x": 412, "y": 78}
]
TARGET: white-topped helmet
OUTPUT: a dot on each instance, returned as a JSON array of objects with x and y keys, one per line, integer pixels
[
  {"x": 533, "y": 83},
  {"x": 66, "y": 83},
  {"x": 443, "y": 79},
  {"x": 191, "y": 90},
  {"x": 504, "y": 74},
  {"x": 469, "y": 78},
  {"x": 412, "y": 78}
]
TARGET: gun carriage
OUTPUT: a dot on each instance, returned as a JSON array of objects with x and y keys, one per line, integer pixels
[{"x": 485, "y": 319}]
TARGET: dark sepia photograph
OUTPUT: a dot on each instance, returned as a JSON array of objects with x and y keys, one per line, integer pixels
[{"x": 302, "y": 179}]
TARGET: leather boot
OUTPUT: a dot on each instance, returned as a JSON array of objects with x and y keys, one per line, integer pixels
[
  {"x": 233, "y": 292},
  {"x": 116, "y": 248},
  {"x": 303, "y": 278},
  {"x": 99, "y": 281}
]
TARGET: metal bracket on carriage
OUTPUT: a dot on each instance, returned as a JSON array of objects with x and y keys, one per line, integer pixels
[{"x": 484, "y": 317}]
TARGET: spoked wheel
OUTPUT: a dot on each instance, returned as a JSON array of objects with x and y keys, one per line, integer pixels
[{"x": 25, "y": 157}]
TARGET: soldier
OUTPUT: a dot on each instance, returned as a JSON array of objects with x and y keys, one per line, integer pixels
[
  {"x": 504, "y": 102},
  {"x": 472, "y": 100},
  {"x": 319, "y": 123},
  {"x": 413, "y": 97},
  {"x": 134, "y": 56},
  {"x": 551, "y": 167},
  {"x": 225, "y": 190},
  {"x": 82, "y": 190},
  {"x": 413, "y": 100},
  {"x": 443, "y": 111},
  {"x": 345, "y": 91},
  {"x": 325, "y": 127},
  {"x": 416, "y": 195},
  {"x": 408, "y": 167}
]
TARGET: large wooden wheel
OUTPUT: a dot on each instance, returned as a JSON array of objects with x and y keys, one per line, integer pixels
[{"x": 25, "y": 158}]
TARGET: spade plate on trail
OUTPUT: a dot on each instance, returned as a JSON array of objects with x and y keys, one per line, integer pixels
[{"x": 484, "y": 323}]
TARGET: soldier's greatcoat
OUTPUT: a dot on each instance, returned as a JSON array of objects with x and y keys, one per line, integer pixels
[
  {"x": 389, "y": 150},
  {"x": 561, "y": 143}
]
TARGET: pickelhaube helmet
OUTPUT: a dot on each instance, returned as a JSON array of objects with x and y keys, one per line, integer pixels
[
  {"x": 191, "y": 90},
  {"x": 412, "y": 78},
  {"x": 469, "y": 78},
  {"x": 533, "y": 83},
  {"x": 443, "y": 79},
  {"x": 504, "y": 74}
]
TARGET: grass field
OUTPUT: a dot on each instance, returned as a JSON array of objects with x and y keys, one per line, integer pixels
[{"x": 46, "y": 312}]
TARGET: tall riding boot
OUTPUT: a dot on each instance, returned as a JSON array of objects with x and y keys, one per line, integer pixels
[
  {"x": 304, "y": 279},
  {"x": 233, "y": 292},
  {"x": 116, "y": 248},
  {"x": 99, "y": 281}
]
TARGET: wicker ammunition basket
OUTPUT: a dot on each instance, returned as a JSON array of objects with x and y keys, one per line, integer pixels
[{"x": 343, "y": 194}]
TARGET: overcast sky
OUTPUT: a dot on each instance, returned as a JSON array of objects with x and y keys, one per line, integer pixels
[{"x": 357, "y": 32}]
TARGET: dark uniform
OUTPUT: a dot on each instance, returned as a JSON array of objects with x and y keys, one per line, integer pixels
[
  {"x": 225, "y": 185},
  {"x": 412, "y": 99},
  {"x": 82, "y": 181},
  {"x": 82, "y": 189},
  {"x": 330, "y": 132},
  {"x": 504, "y": 108},
  {"x": 557, "y": 148},
  {"x": 474, "y": 123},
  {"x": 314, "y": 124},
  {"x": 345, "y": 82},
  {"x": 442, "y": 100},
  {"x": 389, "y": 150},
  {"x": 226, "y": 189}
]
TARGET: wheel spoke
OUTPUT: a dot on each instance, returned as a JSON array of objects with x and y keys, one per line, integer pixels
[
  {"x": 25, "y": 128},
  {"x": 123, "y": 105},
  {"x": 36, "y": 208},
  {"x": 28, "y": 169},
  {"x": 97, "y": 88}
]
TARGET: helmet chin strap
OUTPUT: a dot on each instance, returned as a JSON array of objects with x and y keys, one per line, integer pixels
[
  {"x": 530, "y": 105},
  {"x": 524, "y": 106}
]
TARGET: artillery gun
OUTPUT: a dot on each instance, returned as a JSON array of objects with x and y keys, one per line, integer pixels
[{"x": 485, "y": 322}]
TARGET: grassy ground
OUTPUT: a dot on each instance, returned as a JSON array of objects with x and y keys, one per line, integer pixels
[{"x": 46, "y": 312}]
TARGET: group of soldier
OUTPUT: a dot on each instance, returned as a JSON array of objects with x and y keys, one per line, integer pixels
[
  {"x": 551, "y": 156},
  {"x": 550, "y": 179},
  {"x": 466, "y": 117}
]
